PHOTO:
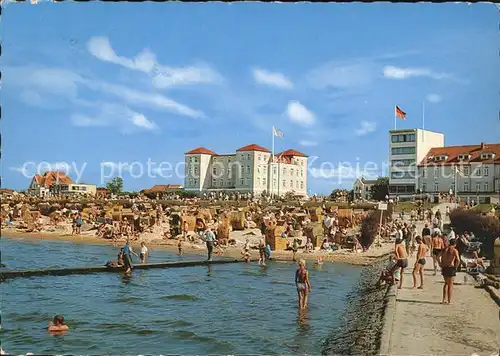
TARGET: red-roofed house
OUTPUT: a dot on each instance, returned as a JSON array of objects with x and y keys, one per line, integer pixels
[
  {"x": 251, "y": 169},
  {"x": 58, "y": 183},
  {"x": 473, "y": 170}
]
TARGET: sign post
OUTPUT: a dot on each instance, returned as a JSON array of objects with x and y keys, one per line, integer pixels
[{"x": 381, "y": 207}]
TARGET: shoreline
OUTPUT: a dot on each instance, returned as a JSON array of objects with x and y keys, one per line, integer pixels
[
  {"x": 357, "y": 259},
  {"x": 362, "y": 331}
]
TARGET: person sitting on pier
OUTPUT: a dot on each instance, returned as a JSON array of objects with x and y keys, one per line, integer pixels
[{"x": 57, "y": 325}]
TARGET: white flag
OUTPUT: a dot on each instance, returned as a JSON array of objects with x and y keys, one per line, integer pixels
[{"x": 277, "y": 132}]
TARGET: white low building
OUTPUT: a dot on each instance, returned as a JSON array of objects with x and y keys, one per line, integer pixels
[
  {"x": 250, "y": 170},
  {"x": 362, "y": 188},
  {"x": 55, "y": 183},
  {"x": 471, "y": 172}
]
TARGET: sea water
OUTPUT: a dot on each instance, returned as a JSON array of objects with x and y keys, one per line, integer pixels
[{"x": 222, "y": 309}]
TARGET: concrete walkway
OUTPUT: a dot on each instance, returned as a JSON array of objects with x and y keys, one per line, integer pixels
[{"x": 423, "y": 326}]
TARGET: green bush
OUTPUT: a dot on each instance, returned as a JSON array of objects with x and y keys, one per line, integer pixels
[{"x": 485, "y": 228}]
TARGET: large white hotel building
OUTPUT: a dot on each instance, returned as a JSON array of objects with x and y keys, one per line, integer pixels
[
  {"x": 419, "y": 162},
  {"x": 249, "y": 170}
]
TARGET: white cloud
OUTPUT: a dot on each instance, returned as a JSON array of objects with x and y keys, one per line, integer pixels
[
  {"x": 307, "y": 143},
  {"x": 433, "y": 98},
  {"x": 64, "y": 83},
  {"x": 274, "y": 79},
  {"x": 147, "y": 99},
  {"x": 300, "y": 114},
  {"x": 341, "y": 75},
  {"x": 146, "y": 61},
  {"x": 405, "y": 73},
  {"x": 115, "y": 115},
  {"x": 365, "y": 128}
]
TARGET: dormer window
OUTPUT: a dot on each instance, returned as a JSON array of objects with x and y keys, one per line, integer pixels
[
  {"x": 441, "y": 158},
  {"x": 464, "y": 157},
  {"x": 488, "y": 155}
]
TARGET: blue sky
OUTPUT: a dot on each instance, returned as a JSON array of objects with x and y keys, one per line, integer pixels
[{"x": 123, "y": 82}]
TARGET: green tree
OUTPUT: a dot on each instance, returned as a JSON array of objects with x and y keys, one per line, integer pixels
[
  {"x": 115, "y": 185},
  {"x": 380, "y": 189}
]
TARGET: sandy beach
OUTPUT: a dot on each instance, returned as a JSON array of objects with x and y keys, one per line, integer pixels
[{"x": 343, "y": 256}]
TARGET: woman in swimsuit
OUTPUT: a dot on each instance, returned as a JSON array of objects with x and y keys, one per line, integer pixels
[
  {"x": 302, "y": 283},
  {"x": 437, "y": 250},
  {"x": 418, "y": 268}
]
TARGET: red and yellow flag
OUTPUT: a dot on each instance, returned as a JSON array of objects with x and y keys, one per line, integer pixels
[{"x": 400, "y": 113}]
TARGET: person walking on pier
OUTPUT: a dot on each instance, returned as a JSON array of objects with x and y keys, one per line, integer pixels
[
  {"x": 418, "y": 268},
  {"x": 127, "y": 257},
  {"x": 401, "y": 260},
  {"x": 449, "y": 263}
]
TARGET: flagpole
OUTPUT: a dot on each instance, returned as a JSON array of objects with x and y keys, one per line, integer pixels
[
  {"x": 272, "y": 167},
  {"x": 394, "y": 117}
]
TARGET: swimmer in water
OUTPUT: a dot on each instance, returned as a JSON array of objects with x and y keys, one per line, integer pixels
[
  {"x": 57, "y": 324},
  {"x": 302, "y": 283}
]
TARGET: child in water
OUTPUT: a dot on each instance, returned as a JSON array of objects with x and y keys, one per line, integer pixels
[{"x": 302, "y": 283}]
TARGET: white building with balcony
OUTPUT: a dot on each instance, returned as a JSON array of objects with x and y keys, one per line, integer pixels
[
  {"x": 250, "y": 170},
  {"x": 471, "y": 172},
  {"x": 407, "y": 148}
]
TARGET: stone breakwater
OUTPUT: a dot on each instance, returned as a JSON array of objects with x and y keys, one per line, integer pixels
[{"x": 363, "y": 325}]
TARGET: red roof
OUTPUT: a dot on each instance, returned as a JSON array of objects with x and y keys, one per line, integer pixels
[
  {"x": 162, "y": 188},
  {"x": 201, "y": 151},
  {"x": 291, "y": 153},
  {"x": 252, "y": 147},
  {"x": 50, "y": 178},
  {"x": 452, "y": 153}
]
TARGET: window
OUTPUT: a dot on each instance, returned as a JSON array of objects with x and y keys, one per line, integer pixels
[
  {"x": 84, "y": 189},
  {"x": 190, "y": 182},
  {"x": 284, "y": 183},
  {"x": 258, "y": 157},
  {"x": 466, "y": 186},
  {"x": 195, "y": 171},
  {"x": 486, "y": 171},
  {"x": 263, "y": 181},
  {"x": 291, "y": 171},
  {"x": 403, "y": 138},
  {"x": 258, "y": 181},
  {"x": 402, "y": 162},
  {"x": 297, "y": 172},
  {"x": 213, "y": 182},
  {"x": 466, "y": 171},
  {"x": 297, "y": 184},
  {"x": 301, "y": 185},
  {"x": 284, "y": 171},
  {"x": 436, "y": 171},
  {"x": 486, "y": 187},
  {"x": 242, "y": 182},
  {"x": 478, "y": 171},
  {"x": 403, "y": 150},
  {"x": 452, "y": 187},
  {"x": 424, "y": 187},
  {"x": 274, "y": 183},
  {"x": 424, "y": 172},
  {"x": 436, "y": 187},
  {"x": 274, "y": 170},
  {"x": 291, "y": 184},
  {"x": 242, "y": 170},
  {"x": 402, "y": 175},
  {"x": 248, "y": 169},
  {"x": 196, "y": 182},
  {"x": 248, "y": 156},
  {"x": 214, "y": 171},
  {"x": 478, "y": 186}
]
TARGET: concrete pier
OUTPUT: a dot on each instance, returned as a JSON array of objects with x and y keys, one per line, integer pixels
[{"x": 6, "y": 274}]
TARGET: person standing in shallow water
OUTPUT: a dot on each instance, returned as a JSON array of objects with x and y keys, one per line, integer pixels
[
  {"x": 209, "y": 239},
  {"x": 127, "y": 257},
  {"x": 303, "y": 285}
]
